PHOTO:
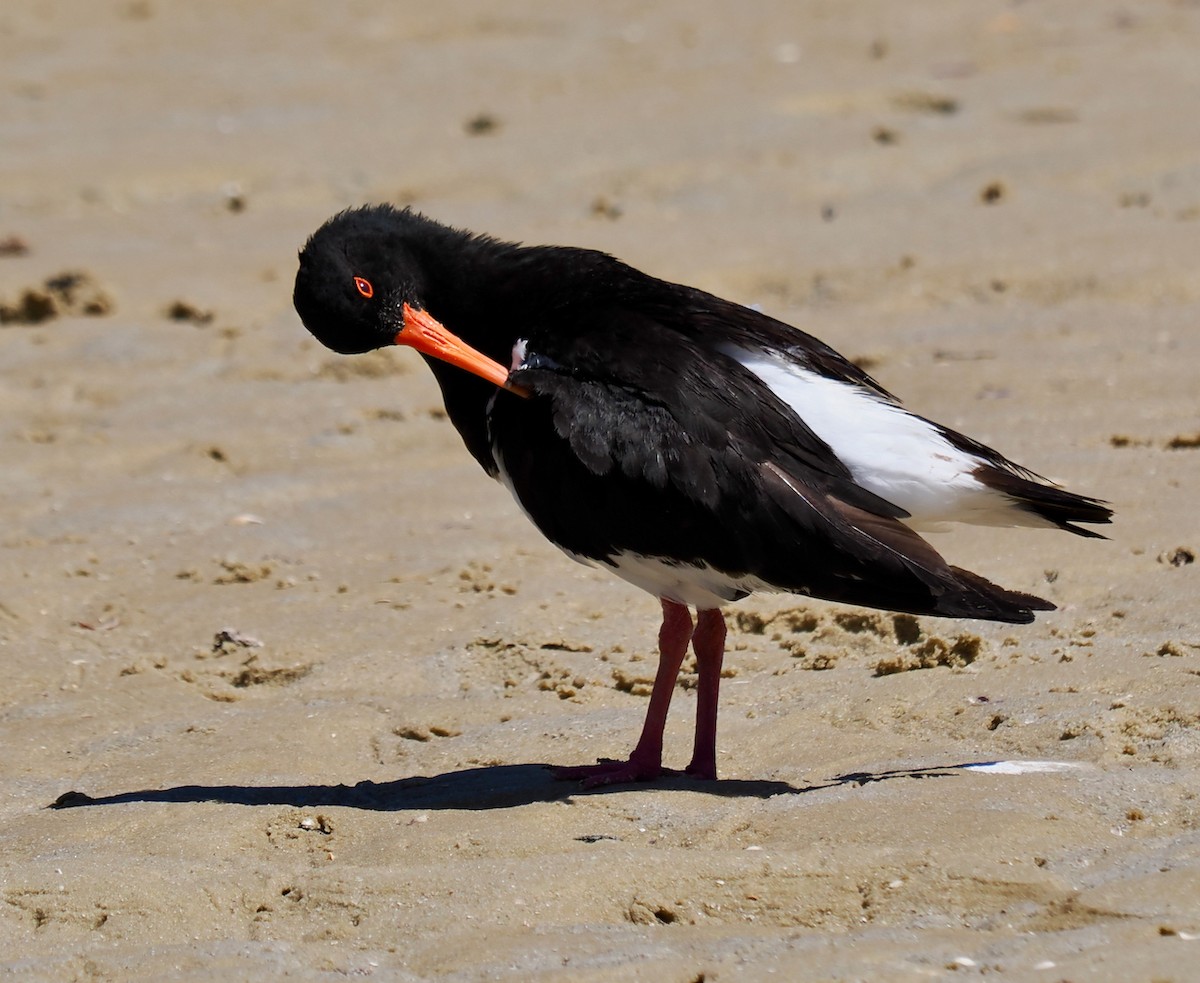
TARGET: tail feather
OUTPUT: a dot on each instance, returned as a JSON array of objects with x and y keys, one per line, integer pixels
[{"x": 1056, "y": 505}]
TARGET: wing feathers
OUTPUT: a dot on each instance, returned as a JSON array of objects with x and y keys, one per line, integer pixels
[
  {"x": 691, "y": 456},
  {"x": 900, "y": 571}
]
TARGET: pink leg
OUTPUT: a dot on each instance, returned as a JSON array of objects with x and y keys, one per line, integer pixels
[
  {"x": 709, "y": 644},
  {"x": 645, "y": 764}
]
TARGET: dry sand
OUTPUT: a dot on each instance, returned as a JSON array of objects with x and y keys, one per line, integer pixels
[{"x": 296, "y": 661}]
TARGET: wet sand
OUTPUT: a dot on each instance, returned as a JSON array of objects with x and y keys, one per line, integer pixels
[{"x": 290, "y": 665}]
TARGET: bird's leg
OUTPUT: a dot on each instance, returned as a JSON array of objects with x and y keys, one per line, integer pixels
[
  {"x": 645, "y": 763},
  {"x": 708, "y": 641},
  {"x": 673, "y": 638}
]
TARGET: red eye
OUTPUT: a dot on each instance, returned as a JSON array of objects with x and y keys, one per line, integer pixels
[{"x": 364, "y": 287}]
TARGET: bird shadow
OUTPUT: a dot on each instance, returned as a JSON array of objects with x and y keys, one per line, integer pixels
[{"x": 493, "y": 787}]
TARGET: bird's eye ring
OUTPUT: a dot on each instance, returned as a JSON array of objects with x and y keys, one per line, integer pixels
[{"x": 364, "y": 287}]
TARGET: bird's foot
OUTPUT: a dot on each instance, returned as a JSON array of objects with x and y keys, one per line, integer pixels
[{"x": 608, "y": 771}]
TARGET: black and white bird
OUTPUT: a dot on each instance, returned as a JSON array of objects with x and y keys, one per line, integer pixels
[{"x": 694, "y": 447}]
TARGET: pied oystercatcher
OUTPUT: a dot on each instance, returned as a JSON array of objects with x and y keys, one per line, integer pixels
[{"x": 696, "y": 448}]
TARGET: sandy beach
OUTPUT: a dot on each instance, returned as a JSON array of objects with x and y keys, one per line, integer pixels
[{"x": 280, "y": 668}]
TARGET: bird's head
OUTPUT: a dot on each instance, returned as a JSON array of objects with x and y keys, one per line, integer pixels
[{"x": 360, "y": 287}]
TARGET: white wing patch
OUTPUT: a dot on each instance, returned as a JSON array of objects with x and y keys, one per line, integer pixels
[{"x": 897, "y": 455}]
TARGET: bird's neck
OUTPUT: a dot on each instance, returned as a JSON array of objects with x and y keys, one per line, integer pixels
[
  {"x": 469, "y": 286},
  {"x": 492, "y": 294}
]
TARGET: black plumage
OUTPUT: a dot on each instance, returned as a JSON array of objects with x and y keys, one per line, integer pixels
[{"x": 635, "y": 423}]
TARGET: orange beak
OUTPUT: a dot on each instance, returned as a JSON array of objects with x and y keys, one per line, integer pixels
[{"x": 430, "y": 337}]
